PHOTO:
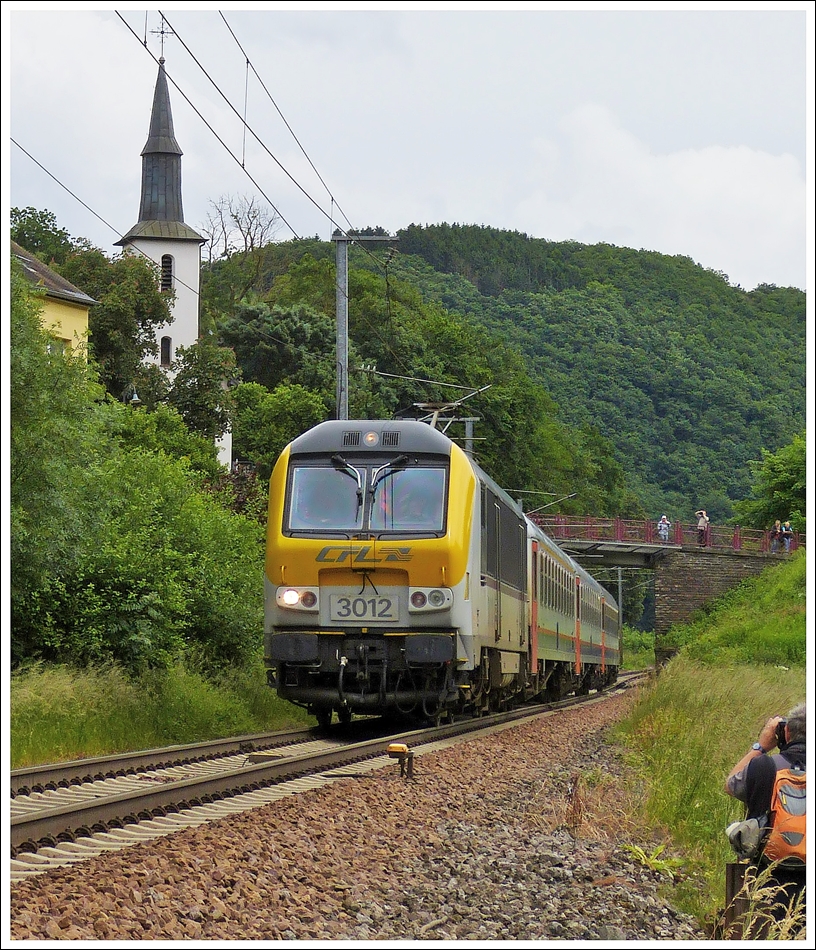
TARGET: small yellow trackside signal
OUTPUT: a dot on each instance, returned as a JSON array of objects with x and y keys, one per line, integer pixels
[{"x": 398, "y": 750}]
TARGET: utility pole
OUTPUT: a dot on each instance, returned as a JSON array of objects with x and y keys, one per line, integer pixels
[{"x": 341, "y": 299}]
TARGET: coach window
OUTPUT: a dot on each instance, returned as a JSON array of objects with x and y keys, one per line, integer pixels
[
  {"x": 166, "y": 351},
  {"x": 166, "y": 273}
]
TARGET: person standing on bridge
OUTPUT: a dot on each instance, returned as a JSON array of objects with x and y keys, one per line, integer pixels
[
  {"x": 787, "y": 536},
  {"x": 776, "y": 536},
  {"x": 663, "y": 528},
  {"x": 702, "y": 525}
]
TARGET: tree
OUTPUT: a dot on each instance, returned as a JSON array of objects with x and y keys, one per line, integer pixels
[
  {"x": 237, "y": 230},
  {"x": 38, "y": 232},
  {"x": 200, "y": 389},
  {"x": 51, "y": 438},
  {"x": 265, "y": 422},
  {"x": 779, "y": 489},
  {"x": 284, "y": 344},
  {"x": 160, "y": 431},
  {"x": 123, "y": 323}
]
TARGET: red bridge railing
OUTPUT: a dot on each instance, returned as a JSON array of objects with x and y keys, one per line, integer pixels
[{"x": 717, "y": 537}]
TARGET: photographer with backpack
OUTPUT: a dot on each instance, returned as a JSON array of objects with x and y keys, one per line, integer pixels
[{"x": 773, "y": 790}]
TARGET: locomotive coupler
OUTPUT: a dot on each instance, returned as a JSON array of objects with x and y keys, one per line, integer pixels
[{"x": 398, "y": 750}]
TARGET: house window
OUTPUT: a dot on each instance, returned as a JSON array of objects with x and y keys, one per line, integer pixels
[
  {"x": 167, "y": 272},
  {"x": 166, "y": 351}
]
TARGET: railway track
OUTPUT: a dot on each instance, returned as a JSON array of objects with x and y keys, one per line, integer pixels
[{"x": 86, "y": 807}]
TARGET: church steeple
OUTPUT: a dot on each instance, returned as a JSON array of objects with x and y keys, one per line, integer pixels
[
  {"x": 163, "y": 238},
  {"x": 160, "y": 210},
  {"x": 161, "y": 161}
]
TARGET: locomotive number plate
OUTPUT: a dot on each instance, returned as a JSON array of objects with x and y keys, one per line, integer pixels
[{"x": 368, "y": 609}]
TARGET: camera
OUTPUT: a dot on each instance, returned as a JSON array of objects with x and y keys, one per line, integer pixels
[{"x": 780, "y": 732}]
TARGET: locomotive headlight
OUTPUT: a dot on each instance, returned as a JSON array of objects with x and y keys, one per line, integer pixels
[
  {"x": 371, "y": 439},
  {"x": 429, "y": 598},
  {"x": 297, "y": 598}
]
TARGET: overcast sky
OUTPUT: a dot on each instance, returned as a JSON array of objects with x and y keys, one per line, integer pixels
[{"x": 678, "y": 128}]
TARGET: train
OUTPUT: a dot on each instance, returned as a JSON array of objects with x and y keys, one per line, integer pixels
[{"x": 401, "y": 579}]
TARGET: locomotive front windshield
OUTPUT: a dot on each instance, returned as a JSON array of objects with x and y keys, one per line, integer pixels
[
  {"x": 348, "y": 498},
  {"x": 410, "y": 499},
  {"x": 325, "y": 498}
]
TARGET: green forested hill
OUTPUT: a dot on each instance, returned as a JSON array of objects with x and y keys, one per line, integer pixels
[{"x": 688, "y": 376}]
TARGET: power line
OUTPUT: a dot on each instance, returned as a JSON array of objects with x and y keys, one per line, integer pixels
[
  {"x": 218, "y": 137},
  {"x": 330, "y": 216},
  {"x": 249, "y": 128},
  {"x": 257, "y": 138},
  {"x": 285, "y": 122},
  {"x": 94, "y": 213}
]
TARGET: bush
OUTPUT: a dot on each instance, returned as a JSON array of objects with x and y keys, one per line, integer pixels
[{"x": 164, "y": 567}]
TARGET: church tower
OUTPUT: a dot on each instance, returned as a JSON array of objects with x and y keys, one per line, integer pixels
[{"x": 163, "y": 237}]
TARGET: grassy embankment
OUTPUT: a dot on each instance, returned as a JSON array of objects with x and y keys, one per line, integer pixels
[
  {"x": 58, "y": 713},
  {"x": 740, "y": 663}
]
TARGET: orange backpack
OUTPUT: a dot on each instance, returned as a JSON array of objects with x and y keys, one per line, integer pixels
[{"x": 787, "y": 840}]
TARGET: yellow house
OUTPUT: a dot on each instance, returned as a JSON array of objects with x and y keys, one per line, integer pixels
[{"x": 65, "y": 307}]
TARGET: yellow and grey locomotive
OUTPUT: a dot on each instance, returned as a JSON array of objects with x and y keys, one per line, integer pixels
[{"x": 401, "y": 578}]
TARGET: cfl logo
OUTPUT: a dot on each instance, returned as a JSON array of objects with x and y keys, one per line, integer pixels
[{"x": 339, "y": 554}]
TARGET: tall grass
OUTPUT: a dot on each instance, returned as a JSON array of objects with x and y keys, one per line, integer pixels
[
  {"x": 60, "y": 713},
  {"x": 638, "y": 648}
]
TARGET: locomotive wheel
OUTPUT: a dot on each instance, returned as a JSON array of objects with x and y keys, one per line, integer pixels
[
  {"x": 324, "y": 717},
  {"x": 344, "y": 715}
]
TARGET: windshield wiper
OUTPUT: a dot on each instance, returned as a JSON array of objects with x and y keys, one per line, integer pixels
[
  {"x": 347, "y": 468},
  {"x": 385, "y": 470}
]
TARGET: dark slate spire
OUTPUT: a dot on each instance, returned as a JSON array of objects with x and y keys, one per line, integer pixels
[
  {"x": 160, "y": 212},
  {"x": 161, "y": 161}
]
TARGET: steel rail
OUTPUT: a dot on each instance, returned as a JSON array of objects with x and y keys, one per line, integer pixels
[
  {"x": 38, "y": 778},
  {"x": 66, "y": 822}
]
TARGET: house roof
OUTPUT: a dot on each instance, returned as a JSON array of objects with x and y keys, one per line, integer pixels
[{"x": 40, "y": 275}]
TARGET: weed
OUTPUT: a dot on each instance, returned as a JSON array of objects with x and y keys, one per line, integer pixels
[{"x": 654, "y": 862}]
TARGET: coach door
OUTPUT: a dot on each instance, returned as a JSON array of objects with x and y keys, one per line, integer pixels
[
  {"x": 578, "y": 613},
  {"x": 491, "y": 560}
]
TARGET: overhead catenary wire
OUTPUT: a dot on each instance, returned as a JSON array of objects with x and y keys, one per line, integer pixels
[
  {"x": 248, "y": 127},
  {"x": 351, "y": 235},
  {"x": 351, "y": 232},
  {"x": 209, "y": 126},
  {"x": 286, "y": 123}
]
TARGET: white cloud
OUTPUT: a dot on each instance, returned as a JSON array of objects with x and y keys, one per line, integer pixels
[
  {"x": 670, "y": 131},
  {"x": 737, "y": 209}
]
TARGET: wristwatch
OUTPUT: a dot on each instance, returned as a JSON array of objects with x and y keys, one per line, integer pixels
[{"x": 757, "y": 747}]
